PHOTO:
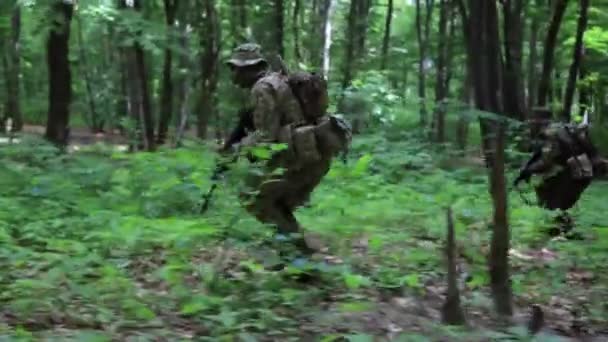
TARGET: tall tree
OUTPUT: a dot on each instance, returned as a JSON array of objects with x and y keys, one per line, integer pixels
[
  {"x": 327, "y": 14},
  {"x": 387, "y": 34},
  {"x": 484, "y": 51},
  {"x": 559, "y": 7},
  {"x": 209, "y": 65},
  {"x": 279, "y": 13},
  {"x": 357, "y": 24},
  {"x": 12, "y": 69},
  {"x": 514, "y": 96},
  {"x": 423, "y": 35},
  {"x": 297, "y": 6},
  {"x": 60, "y": 76},
  {"x": 166, "y": 103},
  {"x": 577, "y": 55},
  {"x": 442, "y": 71},
  {"x": 96, "y": 122},
  {"x": 532, "y": 59}
]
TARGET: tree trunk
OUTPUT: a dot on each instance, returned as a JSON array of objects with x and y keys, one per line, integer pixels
[
  {"x": 549, "y": 50},
  {"x": 184, "y": 79},
  {"x": 584, "y": 100},
  {"x": 96, "y": 122},
  {"x": 484, "y": 50},
  {"x": 532, "y": 60},
  {"x": 350, "y": 45},
  {"x": 499, "y": 249},
  {"x": 387, "y": 35},
  {"x": 440, "y": 83},
  {"x": 451, "y": 312},
  {"x": 423, "y": 41},
  {"x": 296, "y": 31},
  {"x": 13, "y": 58},
  {"x": 209, "y": 63},
  {"x": 576, "y": 60},
  {"x": 514, "y": 97},
  {"x": 142, "y": 79},
  {"x": 166, "y": 104},
  {"x": 279, "y": 21},
  {"x": 466, "y": 93},
  {"x": 327, "y": 40},
  {"x": 60, "y": 77}
]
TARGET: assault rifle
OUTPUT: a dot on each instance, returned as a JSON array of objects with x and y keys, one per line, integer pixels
[{"x": 240, "y": 131}]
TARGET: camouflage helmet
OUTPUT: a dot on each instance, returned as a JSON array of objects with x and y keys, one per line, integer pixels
[{"x": 247, "y": 54}]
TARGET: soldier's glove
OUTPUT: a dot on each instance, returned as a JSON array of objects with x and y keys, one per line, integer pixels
[{"x": 524, "y": 175}]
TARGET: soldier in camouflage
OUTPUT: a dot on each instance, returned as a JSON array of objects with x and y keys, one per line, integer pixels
[
  {"x": 568, "y": 161},
  {"x": 272, "y": 198}
]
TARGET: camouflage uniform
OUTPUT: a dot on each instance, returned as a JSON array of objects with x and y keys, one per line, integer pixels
[
  {"x": 567, "y": 161},
  {"x": 273, "y": 198}
]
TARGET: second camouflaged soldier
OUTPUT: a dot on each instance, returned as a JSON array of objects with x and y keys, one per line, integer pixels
[{"x": 568, "y": 162}]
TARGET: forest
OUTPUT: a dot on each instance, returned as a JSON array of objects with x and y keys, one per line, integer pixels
[{"x": 115, "y": 224}]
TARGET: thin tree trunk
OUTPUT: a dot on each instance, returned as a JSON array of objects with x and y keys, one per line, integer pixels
[
  {"x": 13, "y": 103},
  {"x": 423, "y": 41},
  {"x": 387, "y": 35},
  {"x": 279, "y": 21},
  {"x": 96, "y": 122},
  {"x": 499, "y": 249},
  {"x": 184, "y": 88},
  {"x": 451, "y": 312},
  {"x": 576, "y": 60},
  {"x": 142, "y": 79},
  {"x": 549, "y": 51},
  {"x": 584, "y": 100},
  {"x": 60, "y": 77},
  {"x": 209, "y": 67},
  {"x": 532, "y": 60},
  {"x": 296, "y": 31},
  {"x": 327, "y": 39},
  {"x": 441, "y": 75},
  {"x": 166, "y": 104},
  {"x": 350, "y": 45},
  {"x": 514, "y": 97},
  {"x": 467, "y": 88}
]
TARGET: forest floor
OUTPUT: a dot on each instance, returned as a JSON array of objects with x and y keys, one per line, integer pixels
[{"x": 101, "y": 245}]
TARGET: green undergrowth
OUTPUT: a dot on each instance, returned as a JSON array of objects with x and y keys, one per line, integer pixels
[{"x": 101, "y": 245}]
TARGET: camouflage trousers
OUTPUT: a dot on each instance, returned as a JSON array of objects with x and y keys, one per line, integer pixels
[{"x": 273, "y": 199}]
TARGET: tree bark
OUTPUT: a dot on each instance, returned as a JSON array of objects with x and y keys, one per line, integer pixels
[
  {"x": 209, "y": 64},
  {"x": 166, "y": 105},
  {"x": 327, "y": 37},
  {"x": 96, "y": 122},
  {"x": 60, "y": 77},
  {"x": 484, "y": 50},
  {"x": 387, "y": 35},
  {"x": 423, "y": 41},
  {"x": 549, "y": 50},
  {"x": 183, "y": 78},
  {"x": 451, "y": 312},
  {"x": 514, "y": 97},
  {"x": 350, "y": 45},
  {"x": 441, "y": 75},
  {"x": 296, "y": 31},
  {"x": 499, "y": 249},
  {"x": 532, "y": 60},
  {"x": 576, "y": 60},
  {"x": 142, "y": 79},
  {"x": 279, "y": 21},
  {"x": 12, "y": 71}
]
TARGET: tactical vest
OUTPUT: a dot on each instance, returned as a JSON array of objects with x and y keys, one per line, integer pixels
[
  {"x": 310, "y": 134},
  {"x": 577, "y": 151}
]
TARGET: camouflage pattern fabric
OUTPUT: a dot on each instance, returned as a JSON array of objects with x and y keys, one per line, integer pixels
[{"x": 271, "y": 198}]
